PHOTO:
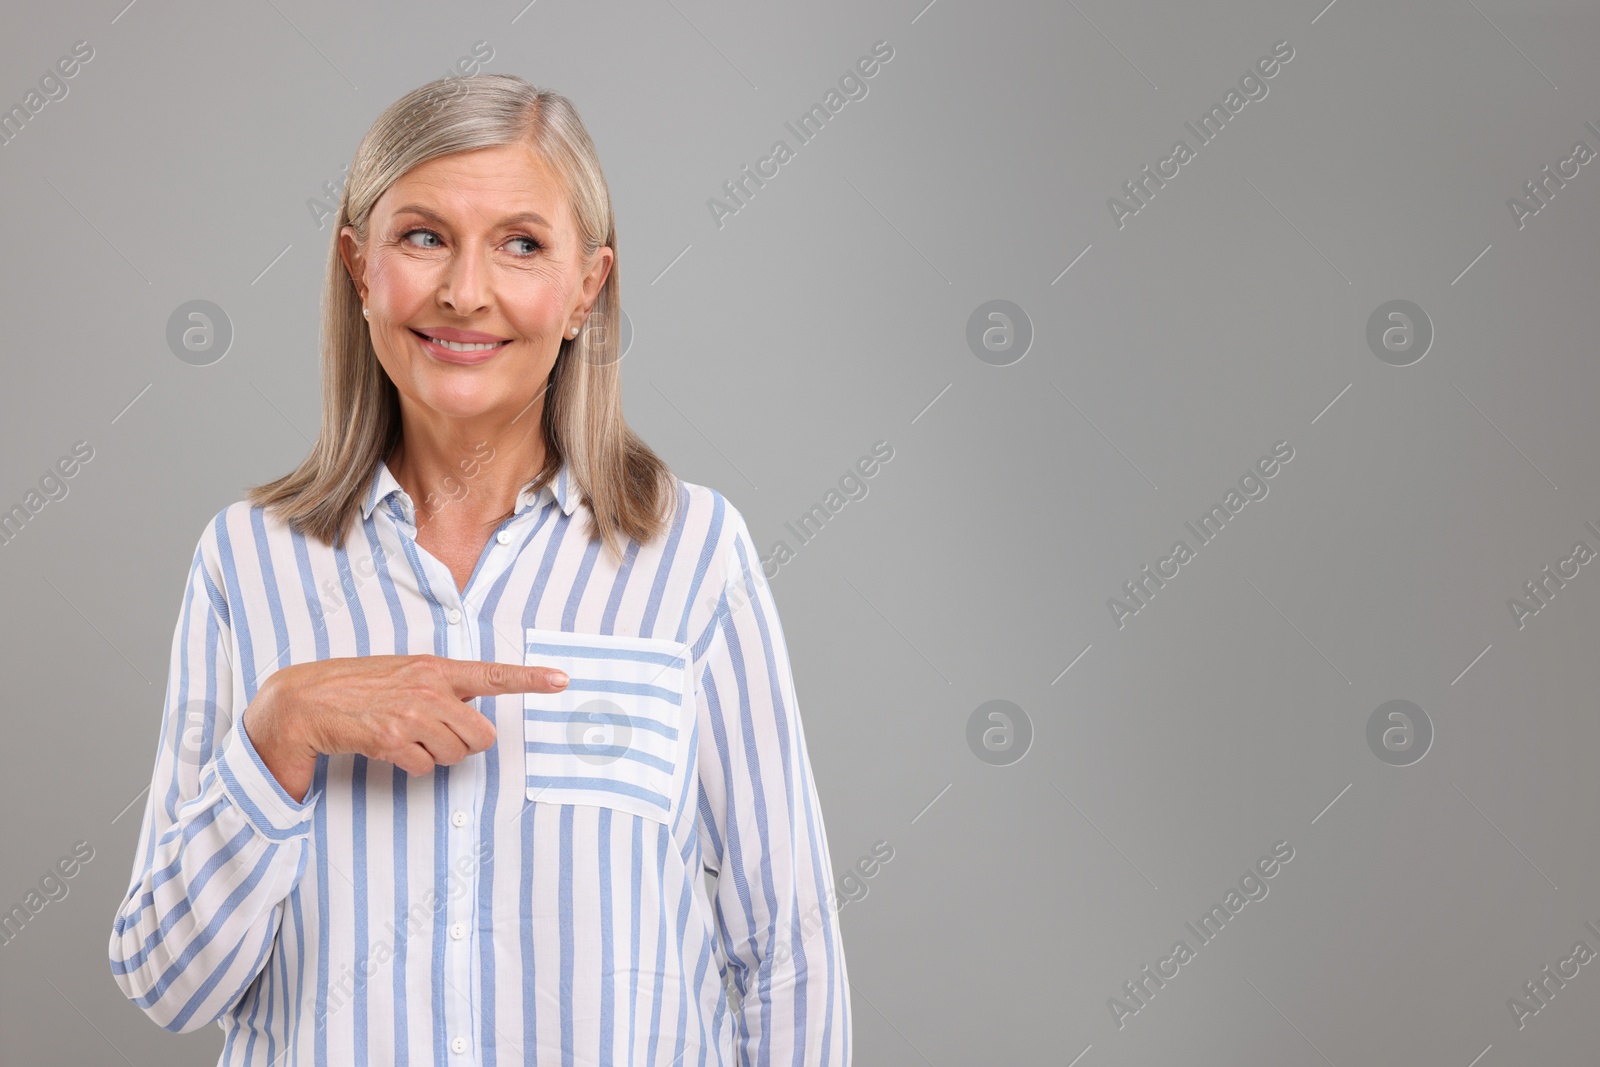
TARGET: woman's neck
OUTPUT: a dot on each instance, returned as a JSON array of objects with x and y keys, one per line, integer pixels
[{"x": 469, "y": 482}]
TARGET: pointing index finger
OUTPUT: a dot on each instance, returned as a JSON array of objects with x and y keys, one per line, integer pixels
[{"x": 482, "y": 678}]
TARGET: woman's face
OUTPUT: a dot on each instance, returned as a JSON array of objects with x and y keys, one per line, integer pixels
[{"x": 476, "y": 248}]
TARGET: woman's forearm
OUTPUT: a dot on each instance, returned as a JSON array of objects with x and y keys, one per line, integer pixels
[{"x": 195, "y": 926}]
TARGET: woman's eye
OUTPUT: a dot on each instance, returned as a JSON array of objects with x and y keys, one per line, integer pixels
[{"x": 522, "y": 247}]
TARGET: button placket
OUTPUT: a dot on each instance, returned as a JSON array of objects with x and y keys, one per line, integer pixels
[{"x": 461, "y": 641}]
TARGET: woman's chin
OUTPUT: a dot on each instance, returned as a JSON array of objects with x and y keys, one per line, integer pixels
[{"x": 459, "y": 402}]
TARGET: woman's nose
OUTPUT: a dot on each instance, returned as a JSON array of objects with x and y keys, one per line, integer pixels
[{"x": 464, "y": 288}]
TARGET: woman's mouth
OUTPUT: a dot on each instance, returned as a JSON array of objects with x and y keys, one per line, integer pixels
[{"x": 460, "y": 352}]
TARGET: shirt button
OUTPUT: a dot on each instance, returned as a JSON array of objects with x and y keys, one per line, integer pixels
[
  {"x": 458, "y": 1045},
  {"x": 455, "y": 615},
  {"x": 459, "y": 818},
  {"x": 458, "y": 930},
  {"x": 504, "y": 537}
]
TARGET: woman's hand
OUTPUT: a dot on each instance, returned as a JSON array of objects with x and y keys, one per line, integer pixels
[{"x": 410, "y": 711}]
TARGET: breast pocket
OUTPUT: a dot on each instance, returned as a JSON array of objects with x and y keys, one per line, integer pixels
[{"x": 616, "y": 735}]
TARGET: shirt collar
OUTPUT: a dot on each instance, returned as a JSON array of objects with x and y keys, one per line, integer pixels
[{"x": 560, "y": 489}]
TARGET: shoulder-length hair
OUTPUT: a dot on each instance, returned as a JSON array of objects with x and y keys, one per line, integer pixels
[{"x": 628, "y": 489}]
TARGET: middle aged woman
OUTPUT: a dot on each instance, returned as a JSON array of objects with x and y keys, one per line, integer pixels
[{"x": 462, "y": 712}]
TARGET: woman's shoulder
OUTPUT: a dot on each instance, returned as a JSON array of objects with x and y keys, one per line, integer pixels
[
  {"x": 708, "y": 518},
  {"x": 242, "y": 529},
  {"x": 243, "y": 520}
]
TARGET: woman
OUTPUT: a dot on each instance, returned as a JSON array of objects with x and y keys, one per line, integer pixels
[{"x": 463, "y": 712}]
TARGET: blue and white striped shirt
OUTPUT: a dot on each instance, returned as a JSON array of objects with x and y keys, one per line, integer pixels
[{"x": 539, "y": 903}]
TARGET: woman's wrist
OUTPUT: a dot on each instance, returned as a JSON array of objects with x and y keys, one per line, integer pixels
[{"x": 270, "y": 721}]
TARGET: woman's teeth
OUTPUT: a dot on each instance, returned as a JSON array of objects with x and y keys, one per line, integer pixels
[{"x": 458, "y": 346}]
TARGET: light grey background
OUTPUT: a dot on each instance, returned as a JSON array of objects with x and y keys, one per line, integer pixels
[{"x": 831, "y": 312}]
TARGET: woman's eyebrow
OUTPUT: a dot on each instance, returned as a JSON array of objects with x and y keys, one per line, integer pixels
[{"x": 509, "y": 220}]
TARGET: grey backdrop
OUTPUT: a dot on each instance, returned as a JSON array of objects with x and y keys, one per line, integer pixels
[{"x": 1159, "y": 361}]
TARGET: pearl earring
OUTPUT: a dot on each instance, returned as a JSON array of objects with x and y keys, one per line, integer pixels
[{"x": 364, "y": 313}]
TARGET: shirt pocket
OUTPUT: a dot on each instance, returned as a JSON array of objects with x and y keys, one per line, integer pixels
[{"x": 615, "y": 736}]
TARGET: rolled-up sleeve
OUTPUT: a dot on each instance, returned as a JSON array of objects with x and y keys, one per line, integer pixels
[
  {"x": 762, "y": 831},
  {"x": 222, "y": 843}
]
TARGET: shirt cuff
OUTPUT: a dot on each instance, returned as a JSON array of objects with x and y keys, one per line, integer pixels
[{"x": 259, "y": 794}]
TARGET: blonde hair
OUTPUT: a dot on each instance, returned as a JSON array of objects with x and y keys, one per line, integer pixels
[{"x": 629, "y": 490}]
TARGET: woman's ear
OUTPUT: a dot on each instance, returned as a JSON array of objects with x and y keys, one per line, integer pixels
[
  {"x": 355, "y": 262},
  {"x": 595, "y": 277}
]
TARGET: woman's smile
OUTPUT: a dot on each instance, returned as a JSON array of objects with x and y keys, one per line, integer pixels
[{"x": 459, "y": 346}]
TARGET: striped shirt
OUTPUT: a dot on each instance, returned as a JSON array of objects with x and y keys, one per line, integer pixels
[{"x": 588, "y": 891}]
